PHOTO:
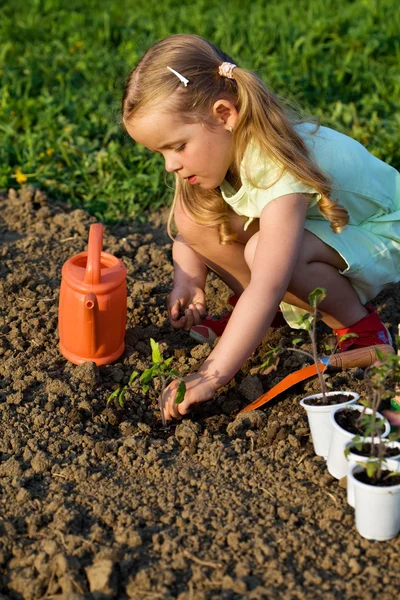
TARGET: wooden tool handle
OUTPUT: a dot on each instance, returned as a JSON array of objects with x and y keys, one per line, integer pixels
[{"x": 361, "y": 357}]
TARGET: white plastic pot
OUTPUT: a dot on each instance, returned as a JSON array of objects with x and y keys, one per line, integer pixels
[
  {"x": 377, "y": 509},
  {"x": 353, "y": 459},
  {"x": 319, "y": 419},
  {"x": 337, "y": 462}
]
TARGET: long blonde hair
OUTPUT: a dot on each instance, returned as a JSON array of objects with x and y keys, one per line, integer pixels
[{"x": 263, "y": 119}]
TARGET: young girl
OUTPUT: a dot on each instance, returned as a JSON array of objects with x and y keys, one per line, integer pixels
[{"x": 273, "y": 205}]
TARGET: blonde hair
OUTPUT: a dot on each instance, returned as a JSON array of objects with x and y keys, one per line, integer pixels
[{"x": 263, "y": 119}]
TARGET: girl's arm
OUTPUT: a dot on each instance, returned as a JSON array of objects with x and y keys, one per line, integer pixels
[
  {"x": 190, "y": 275},
  {"x": 278, "y": 245}
]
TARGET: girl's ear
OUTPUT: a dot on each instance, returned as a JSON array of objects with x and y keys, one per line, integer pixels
[{"x": 225, "y": 112}]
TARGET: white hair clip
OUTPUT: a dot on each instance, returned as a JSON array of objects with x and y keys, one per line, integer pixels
[{"x": 179, "y": 76}]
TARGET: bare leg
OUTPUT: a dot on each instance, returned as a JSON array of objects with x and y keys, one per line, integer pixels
[
  {"x": 228, "y": 261},
  {"x": 318, "y": 265}
]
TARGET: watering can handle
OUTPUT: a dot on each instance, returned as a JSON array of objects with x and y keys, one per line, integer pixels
[{"x": 95, "y": 246}]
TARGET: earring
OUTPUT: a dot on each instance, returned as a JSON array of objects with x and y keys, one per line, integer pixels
[{"x": 230, "y": 129}]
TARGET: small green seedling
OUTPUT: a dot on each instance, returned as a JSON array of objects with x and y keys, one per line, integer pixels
[
  {"x": 307, "y": 321},
  {"x": 382, "y": 382},
  {"x": 159, "y": 368}
]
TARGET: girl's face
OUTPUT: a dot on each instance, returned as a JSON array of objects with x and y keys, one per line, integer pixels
[{"x": 194, "y": 151}]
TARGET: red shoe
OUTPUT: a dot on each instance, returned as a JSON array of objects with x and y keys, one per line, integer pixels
[
  {"x": 210, "y": 328},
  {"x": 370, "y": 331}
]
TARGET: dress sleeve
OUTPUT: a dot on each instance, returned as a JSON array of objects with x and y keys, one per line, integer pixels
[{"x": 268, "y": 182}]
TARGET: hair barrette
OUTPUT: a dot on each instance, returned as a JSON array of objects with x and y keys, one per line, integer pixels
[
  {"x": 179, "y": 76},
  {"x": 225, "y": 69}
]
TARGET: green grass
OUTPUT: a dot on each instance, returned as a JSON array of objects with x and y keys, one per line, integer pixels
[{"x": 62, "y": 72}]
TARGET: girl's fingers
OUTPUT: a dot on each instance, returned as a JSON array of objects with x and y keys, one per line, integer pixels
[
  {"x": 189, "y": 319},
  {"x": 196, "y": 316},
  {"x": 199, "y": 306},
  {"x": 179, "y": 324},
  {"x": 171, "y": 409},
  {"x": 175, "y": 310}
]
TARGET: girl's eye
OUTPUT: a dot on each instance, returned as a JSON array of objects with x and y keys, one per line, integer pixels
[{"x": 180, "y": 148}]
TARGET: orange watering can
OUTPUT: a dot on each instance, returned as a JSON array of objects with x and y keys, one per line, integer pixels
[{"x": 92, "y": 309}]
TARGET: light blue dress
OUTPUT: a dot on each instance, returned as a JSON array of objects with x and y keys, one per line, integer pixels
[{"x": 367, "y": 187}]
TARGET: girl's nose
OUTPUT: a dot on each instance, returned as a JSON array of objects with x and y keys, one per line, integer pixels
[{"x": 172, "y": 164}]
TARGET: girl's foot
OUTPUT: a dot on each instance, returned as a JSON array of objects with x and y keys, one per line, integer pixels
[
  {"x": 211, "y": 327},
  {"x": 370, "y": 331}
]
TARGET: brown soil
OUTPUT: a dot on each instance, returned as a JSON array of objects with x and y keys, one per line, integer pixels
[
  {"x": 350, "y": 421},
  {"x": 329, "y": 401},
  {"x": 365, "y": 450},
  {"x": 99, "y": 502},
  {"x": 387, "y": 479}
]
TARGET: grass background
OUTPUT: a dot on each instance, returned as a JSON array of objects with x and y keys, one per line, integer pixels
[{"x": 63, "y": 65}]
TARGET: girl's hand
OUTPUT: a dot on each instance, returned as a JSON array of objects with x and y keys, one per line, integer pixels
[
  {"x": 199, "y": 388},
  {"x": 190, "y": 301}
]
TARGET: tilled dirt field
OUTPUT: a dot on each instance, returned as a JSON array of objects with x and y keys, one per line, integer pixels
[{"x": 100, "y": 502}]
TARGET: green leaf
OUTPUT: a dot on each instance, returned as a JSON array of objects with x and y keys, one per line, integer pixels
[
  {"x": 365, "y": 402},
  {"x": 180, "y": 394},
  {"x": 305, "y": 321},
  {"x": 145, "y": 389},
  {"x": 297, "y": 341},
  {"x": 113, "y": 395},
  {"x": 371, "y": 468},
  {"x": 133, "y": 376},
  {"x": 316, "y": 297},
  {"x": 347, "y": 336},
  {"x": 156, "y": 355},
  {"x": 146, "y": 376},
  {"x": 168, "y": 361},
  {"x": 121, "y": 397},
  {"x": 174, "y": 373}
]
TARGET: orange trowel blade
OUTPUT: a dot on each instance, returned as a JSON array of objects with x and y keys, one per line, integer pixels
[{"x": 285, "y": 384}]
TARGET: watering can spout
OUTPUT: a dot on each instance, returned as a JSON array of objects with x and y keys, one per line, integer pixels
[{"x": 90, "y": 316}]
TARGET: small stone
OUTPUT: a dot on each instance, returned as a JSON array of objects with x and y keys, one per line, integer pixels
[
  {"x": 252, "y": 419},
  {"x": 187, "y": 433},
  {"x": 49, "y": 547},
  {"x": 201, "y": 351},
  {"x": 40, "y": 463},
  {"x": 126, "y": 428},
  {"x": 101, "y": 579},
  {"x": 118, "y": 375},
  {"x": 10, "y": 468},
  {"x": 293, "y": 441},
  {"x": 88, "y": 373},
  {"x": 144, "y": 427},
  {"x": 23, "y": 495},
  {"x": 251, "y": 388}
]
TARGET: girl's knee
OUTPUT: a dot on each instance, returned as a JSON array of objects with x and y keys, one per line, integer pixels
[{"x": 185, "y": 224}]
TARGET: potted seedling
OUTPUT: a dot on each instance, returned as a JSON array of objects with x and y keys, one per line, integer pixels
[
  {"x": 364, "y": 420},
  {"x": 159, "y": 370},
  {"x": 368, "y": 449},
  {"x": 382, "y": 383},
  {"x": 375, "y": 480},
  {"x": 318, "y": 406}
]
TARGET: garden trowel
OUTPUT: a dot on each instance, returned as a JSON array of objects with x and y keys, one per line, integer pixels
[{"x": 361, "y": 357}]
